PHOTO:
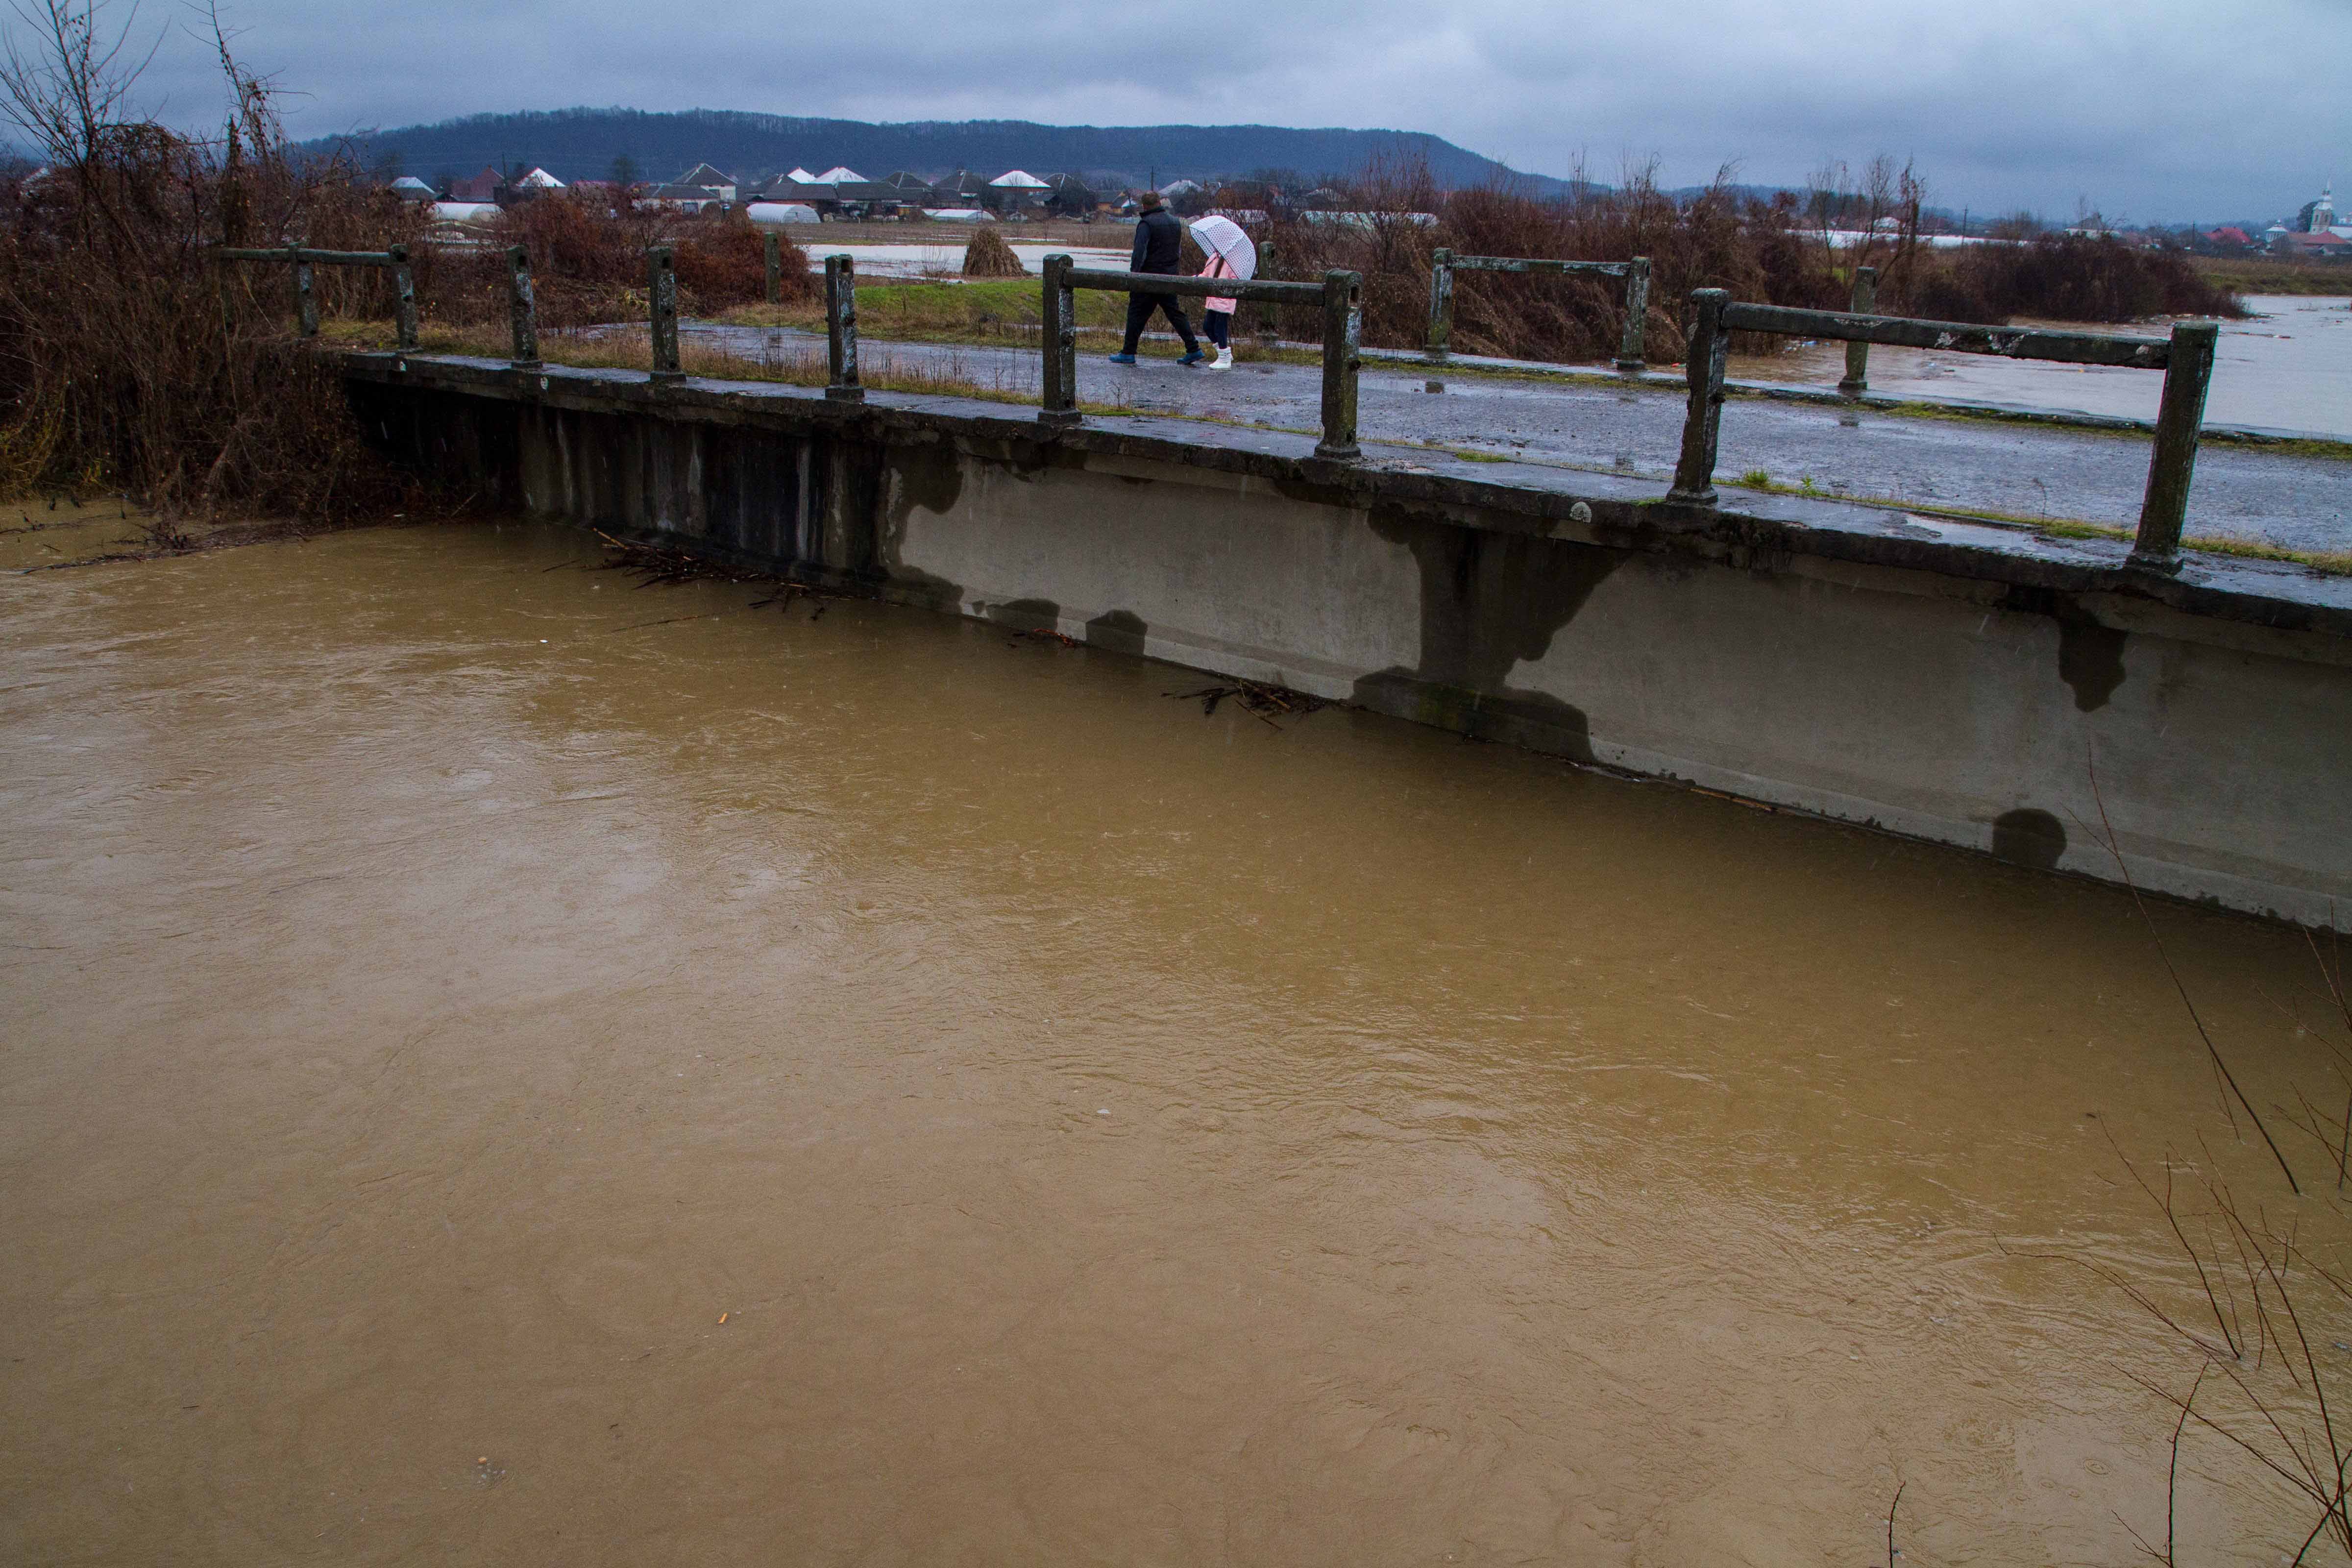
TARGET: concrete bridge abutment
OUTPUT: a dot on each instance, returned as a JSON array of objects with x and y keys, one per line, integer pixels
[{"x": 1971, "y": 684}]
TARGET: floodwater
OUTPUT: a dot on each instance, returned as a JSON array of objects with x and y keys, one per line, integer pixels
[
  {"x": 2288, "y": 367},
  {"x": 946, "y": 260},
  {"x": 498, "y": 1066}
]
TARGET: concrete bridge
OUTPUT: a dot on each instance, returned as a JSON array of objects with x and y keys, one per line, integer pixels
[{"x": 1964, "y": 683}]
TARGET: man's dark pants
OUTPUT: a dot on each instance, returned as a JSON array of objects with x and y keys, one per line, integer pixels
[{"x": 1139, "y": 311}]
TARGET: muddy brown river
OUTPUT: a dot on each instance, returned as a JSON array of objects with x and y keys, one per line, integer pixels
[{"x": 498, "y": 1066}]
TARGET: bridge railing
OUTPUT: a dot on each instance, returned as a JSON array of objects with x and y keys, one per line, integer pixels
[
  {"x": 1634, "y": 274},
  {"x": 2186, "y": 358},
  {"x": 1341, "y": 295},
  {"x": 302, "y": 259}
]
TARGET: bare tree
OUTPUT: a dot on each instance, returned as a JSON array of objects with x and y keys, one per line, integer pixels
[
  {"x": 66, "y": 74},
  {"x": 1871, "y": 219}
]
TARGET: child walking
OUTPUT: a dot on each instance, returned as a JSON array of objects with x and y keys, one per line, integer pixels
[{"x": 1231, "y": 255}]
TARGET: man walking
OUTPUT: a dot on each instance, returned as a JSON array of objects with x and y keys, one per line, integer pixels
[{"x": 1159, "y": 247}]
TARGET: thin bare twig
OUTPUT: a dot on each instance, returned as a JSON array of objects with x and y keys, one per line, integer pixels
[{"x": 2114, "y": 849}]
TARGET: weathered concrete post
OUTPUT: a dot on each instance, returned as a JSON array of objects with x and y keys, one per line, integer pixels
[
  {"x": 1343, "y": 342},
  {"x": 1710, "y": 348},
  {"x": 1270, "y": 325},
  {"x": 772, "y": 243},
  {"x": 661, "y": 288},
  {"x": 1441, "y": 303},
  {"x": 522, "y": 304},
  {"x": 1857, "y": 356},
  {"x": 841, "y": 329},
  {"x": 1635, "y": 344},
  {"x": 2178, "y": 418},
  {"x": 403, "y": 297},
  {"x": 1059, "y": 404},
  {"x": 306, "y": 302}
]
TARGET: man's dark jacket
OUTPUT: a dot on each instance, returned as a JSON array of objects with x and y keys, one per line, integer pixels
[{"x": 1159, "y": 242}]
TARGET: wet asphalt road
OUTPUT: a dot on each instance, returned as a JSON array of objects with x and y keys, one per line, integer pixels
[{"x": 1974, "y": 465}]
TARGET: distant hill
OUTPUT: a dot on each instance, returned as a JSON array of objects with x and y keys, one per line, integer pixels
[{"x": 580, "y": 143}]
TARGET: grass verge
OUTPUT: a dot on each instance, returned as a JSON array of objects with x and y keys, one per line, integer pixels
[
  {"x": 984, "y": 312},
  {"x": 2335, "y": 563},
  {"x": 631, "y": 349},
  {"x": 2260, "y": 274}
]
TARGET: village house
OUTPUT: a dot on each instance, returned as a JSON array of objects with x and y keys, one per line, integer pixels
[
  {"x": 912, "y": 191},
  {"x": 2314, "y": 234},
  {"x": 709, "y": 179},
  {"x": 963, "y": 189},
  {"x": 490, "y": 187},
  {"x": 486, "y": 186},
  {"x": 1067, "y": 196},
  {"x": 1016, "y": 192},
  {"x": 838, "y": 194}
]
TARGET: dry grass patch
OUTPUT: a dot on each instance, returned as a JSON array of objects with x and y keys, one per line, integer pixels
[{"x": 800, "y": 365}]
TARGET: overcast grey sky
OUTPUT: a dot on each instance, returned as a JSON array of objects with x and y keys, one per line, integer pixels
[{"x": 2152, "y": 110}]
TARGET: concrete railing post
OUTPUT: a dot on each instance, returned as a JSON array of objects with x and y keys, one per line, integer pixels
[
  {"x": 1441, "y": 303},
  {"x": 403, "y": 297},
  {"x": 661, "y": 290},
  {"x": 522, "y": 306},
  {"x": 1706, "y": 361},
  {"x": 2165, "y": 509},
  {"x": 841, "y": 329},
  {"x": 1343, "y": 342},
  {"x": 772, "y": 244},
  {"x": 1632, "y": 345},
  {"x": 1857, "y": 356},
  {"x": 306, "y": 302},
  {"x": 1059, "y": 404}
]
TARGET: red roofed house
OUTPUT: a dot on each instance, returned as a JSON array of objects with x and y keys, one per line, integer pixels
[
  {"x": 2324, "y": 246},
  {"x": 483, "y": 187}
]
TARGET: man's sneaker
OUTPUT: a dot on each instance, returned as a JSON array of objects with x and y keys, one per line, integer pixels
[
  {"x": 1196, "y": 357},
  {"x": 1224, "y": 360},
  {"x": 1122, "y": 359}
]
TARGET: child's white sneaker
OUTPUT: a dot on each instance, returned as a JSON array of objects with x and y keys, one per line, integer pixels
[{"x": 1224, "y": 360}]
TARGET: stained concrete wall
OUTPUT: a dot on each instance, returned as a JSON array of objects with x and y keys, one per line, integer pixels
[{"x": 1952, "y": 682}]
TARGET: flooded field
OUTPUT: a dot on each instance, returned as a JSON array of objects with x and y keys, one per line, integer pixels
[
  {"x": 2288, "y": 367},
  {"x": 499, "y": 1066},
  {"x": 944, "y": 256}
]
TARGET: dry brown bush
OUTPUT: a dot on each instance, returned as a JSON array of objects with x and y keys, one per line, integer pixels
[
  {"x": 133, "y": 360},
  {"x": 1715, "y": 240},
  {"x": 722, "y": 263},
  {"x": 2070, "y": 278},
  {"x": 1775, "y": 250},
  {"x": 588, "y": 263},
  {"x": 129, "y": 358}
]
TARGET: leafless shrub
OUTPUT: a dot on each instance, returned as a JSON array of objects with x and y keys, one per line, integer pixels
[
  {"x": 129, "y": 358},
  {"x": 1787, "y": 249},
  {"x": 2268, "y": 1284}
]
